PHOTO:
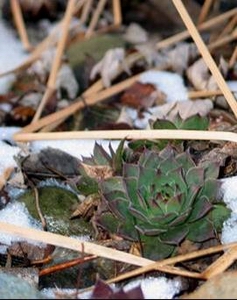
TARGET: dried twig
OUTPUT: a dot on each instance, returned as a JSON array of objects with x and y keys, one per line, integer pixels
[
  {"x": 223, "y": 40},
  {"x": 205, "y": 94},
  {"x": 233, "y": 58},
  {"x": 229, "y": 27},
  {"x": 20, "y": 25},
  {"x": 37, "y": 204},
  {"x": 79, "y": 104},
  {"x": 221, "y": 264},
  {"x": 117, "y": 12},
  {"x": 173, "y": 261},
  {"x": 86, "y": 11},
  {"x": 73, "y": 244},
  {"x": 57, "y": 60},
  {"x": 65, "y": 265},
  {"x": 95, "y": 18},
  {"x": 136, "y": 134},
  {"x": 206, "y": 55},
  {"x": 204, "y": 11}
]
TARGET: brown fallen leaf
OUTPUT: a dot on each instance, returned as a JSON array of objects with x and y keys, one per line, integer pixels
[{"x": 142, "y": 95}]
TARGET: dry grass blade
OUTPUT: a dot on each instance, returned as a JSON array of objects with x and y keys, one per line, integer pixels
[
  {"x": 95, "y": 18},
  {"x": 57, "y": 60},
  {"x": 173, "y": 261},
  {"x": 229, "y": 27},
  {"x": 206, "y": 55},
  {"x": 221, "y": 264},
  {"x": 128, "y": 134},
  {"x": 73, "y": 244},
  {"x": 20, "y": 25},
  {"x": 86, "y": 11},
  {"x": 233, "y": 58},
  {"x": 205, "y": 94},
  {"x": 117, "y": 12},
  {"x": 87, "y": 247},
  {"x": 79, "y": 104},
  {"x": 223, "y": 41},
  {"x": 204, "y": 11}
]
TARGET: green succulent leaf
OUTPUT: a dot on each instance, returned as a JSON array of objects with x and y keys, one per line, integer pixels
[
  {"x": 161, "y": 199},
  {"x": 87, "y": 185},
  {"x": 219, "y": 214},
  {"x": 195, "y": 122},
  {"x": 155, "y": 249},
  {"x": 100, "y": 156},
  {"x": 162, "y": 124},
  {"x": 117, "y": 157},
  {"x": 201, "y": 230}
]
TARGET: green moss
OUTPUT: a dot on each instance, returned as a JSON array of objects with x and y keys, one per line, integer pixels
[
  {"x": 95, "y": 47},
  {"x": 57, "y": 205}
]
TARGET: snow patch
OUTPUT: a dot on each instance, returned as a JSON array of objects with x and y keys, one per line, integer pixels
[
  {"x": 16, "y": 213},
  {"x": 171, "y": 84},
  {"x": 77, "y": 148},
  {"x": 228, "y": 192},
  {"x": 12, "y": 55}
]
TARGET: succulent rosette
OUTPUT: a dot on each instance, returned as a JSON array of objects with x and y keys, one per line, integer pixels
[{"x": 161, "y": 200}]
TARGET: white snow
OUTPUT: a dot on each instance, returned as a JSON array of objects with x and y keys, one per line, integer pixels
[
  {"x": 7, "y": 153},
  {"x": 77, "y": 148},
  {"x": 156, "y": 288},
  {"x": 21, "y": 218},
  {"x": 152, "y": 288},
  {"x": 12, "y": 54},
  {"x": 169, "y": 83},
  {"x": 228, "y": 192}
]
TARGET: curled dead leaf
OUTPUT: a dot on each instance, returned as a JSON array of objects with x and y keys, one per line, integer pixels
[
  {"x": 98, "y": 172},
  {"x": 108, "y": 67},
  {"x": 87, "y": 207}
]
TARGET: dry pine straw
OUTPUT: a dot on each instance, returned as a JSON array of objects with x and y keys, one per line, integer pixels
[{"x": 167, "y": 265}]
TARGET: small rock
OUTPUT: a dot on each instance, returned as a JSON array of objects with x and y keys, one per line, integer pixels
[{"x": 222, "y": 286}]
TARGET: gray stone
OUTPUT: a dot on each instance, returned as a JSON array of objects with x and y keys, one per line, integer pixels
[{"x": 13, "y": 287}]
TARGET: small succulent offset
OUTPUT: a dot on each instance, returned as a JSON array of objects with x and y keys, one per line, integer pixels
[
  {"x": 194, "y": 122},
  {"x": 160, "y": 200}
]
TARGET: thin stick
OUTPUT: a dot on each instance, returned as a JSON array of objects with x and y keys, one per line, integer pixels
[
  {"x": 85, "y": 11},
  {"x": 132, "y": 58},
  {"x": 173, "y": 261},
  {"x": 50, "y": 40},
  {"x": 79, "y": 104},
  {"x": 95, "y": 18},
  {"x": 204, "y": 11},
  {"x": 73, "y": 244},
  {"x": 205, "y": 94},
  {"x": 204, "y": 26},
  {"x": 47, "y": 95},
  {"x": 78, "y": 6},
  {"x": 117, "y": 12},
  {"x": 162, "y": 44},
  {"x": 206, "y": 55},
  {"x": 129, "y": 134},
  {"x": 221, "y": 264},
  {"x": 20, "y": 25},
  {"x": 223, "y": 41},
  {"x": 233, "y": 58},
  {"x": 57, "y": 60},
  {"x": 229, "y": 27}
]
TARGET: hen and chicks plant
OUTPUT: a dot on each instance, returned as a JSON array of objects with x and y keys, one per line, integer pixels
[{"x": 160, "y": 199}]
